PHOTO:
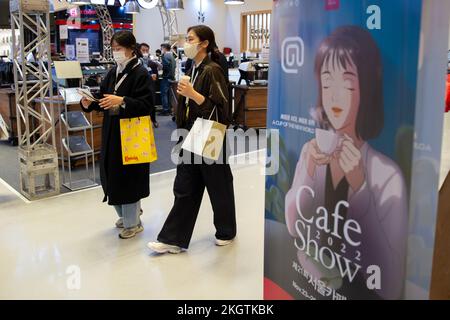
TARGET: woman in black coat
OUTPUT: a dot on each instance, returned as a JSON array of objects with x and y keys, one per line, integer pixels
[
  {"x": 207, "y": 91},
  {"x": 125, "y": 93}
]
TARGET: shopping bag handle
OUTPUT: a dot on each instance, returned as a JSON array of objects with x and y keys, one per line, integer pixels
[
  {"x": 139, "y": 118},
  {"x": 217, "y": 116}
]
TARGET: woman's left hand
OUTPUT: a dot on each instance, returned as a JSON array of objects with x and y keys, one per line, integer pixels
[
  {"x": 350, "y": 160},
  {"x": 186, "y": 89},
  {"x": 110, "y": 101}
]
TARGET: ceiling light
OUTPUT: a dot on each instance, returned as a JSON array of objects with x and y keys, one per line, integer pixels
[
  {"x": 80, "y": 2},
  {"x": 132, "y": 7},
  {"x": 174, "y": 4},
  {"x": 234, "y": 2}
]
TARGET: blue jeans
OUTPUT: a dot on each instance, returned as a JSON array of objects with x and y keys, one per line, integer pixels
[
  {"x": 165, "y": 87},
  {"x": 130, "y": 214}
]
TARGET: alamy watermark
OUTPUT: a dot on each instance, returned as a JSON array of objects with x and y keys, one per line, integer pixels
[
  {"x": 73, "y": 281},
  {"x": 236, "y": 149}
]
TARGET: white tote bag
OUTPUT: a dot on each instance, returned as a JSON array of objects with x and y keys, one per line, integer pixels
[{"x": 205, "y": 138}]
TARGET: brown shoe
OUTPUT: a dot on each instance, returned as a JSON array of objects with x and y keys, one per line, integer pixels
[
  {"x": 128, "y": 233},
  {"x": 119, "y": 223}
]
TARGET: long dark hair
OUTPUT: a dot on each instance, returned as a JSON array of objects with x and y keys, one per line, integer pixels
[
  {"x": 352, "y": 44},
  {"x": 125, "y": 39},
  {"x": 139, "y": 47},
  {"x": 205, "y": 33}
]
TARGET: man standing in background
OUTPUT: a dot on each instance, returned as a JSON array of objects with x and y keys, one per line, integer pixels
[
  {"x": 152, "y": 68},
  {"x": 168, "y": 76}
]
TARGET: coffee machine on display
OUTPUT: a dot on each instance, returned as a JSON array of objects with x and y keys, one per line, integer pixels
[
  {"x": 95, "y": 72},
  {"x": 261, "y": 73},
  {"x": 254, "y": 73}
]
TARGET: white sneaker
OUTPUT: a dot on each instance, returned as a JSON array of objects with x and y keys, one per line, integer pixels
[
  {"x": 160, "y": 247},
  {"x": 222, "y": 243}
]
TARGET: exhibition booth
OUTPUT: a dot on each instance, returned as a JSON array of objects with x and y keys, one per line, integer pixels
[
  {"x": 341, "y": 185},
  {"x": 80, "y": 31}
]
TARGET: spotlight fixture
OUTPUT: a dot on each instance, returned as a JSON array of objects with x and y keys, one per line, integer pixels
[
  {"x": 132, "y": 7},
  {"x": 174, "y": 5}
]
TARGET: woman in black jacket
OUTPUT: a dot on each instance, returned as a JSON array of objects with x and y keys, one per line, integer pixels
[
  {"x": 125, "y": 93},
  {"x": 206, "y": 91}
]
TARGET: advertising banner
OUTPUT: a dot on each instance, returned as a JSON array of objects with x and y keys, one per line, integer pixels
[
  {"x": 70, "y": 52},
  {"x": 63, "y": 32},
  {"x": 340, "y": 219},
  {"x": 82, "y": 50}
]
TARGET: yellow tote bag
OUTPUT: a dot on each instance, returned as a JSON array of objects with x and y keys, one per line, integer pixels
[{"x": 138, "y": 141}]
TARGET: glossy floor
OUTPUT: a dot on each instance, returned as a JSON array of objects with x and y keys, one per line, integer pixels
[{"x": 44, "y": 246}]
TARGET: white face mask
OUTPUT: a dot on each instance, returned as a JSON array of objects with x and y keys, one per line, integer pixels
[
  {"x": 145, "y": 55},
  {"x": 119, "y": 56},
  {"x": 191, "y": 50}
]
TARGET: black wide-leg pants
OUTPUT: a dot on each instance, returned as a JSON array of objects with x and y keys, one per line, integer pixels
[{"x": 190, "y": 183}]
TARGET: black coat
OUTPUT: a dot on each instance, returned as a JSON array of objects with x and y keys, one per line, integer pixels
[{"x": 130, "y": 183}]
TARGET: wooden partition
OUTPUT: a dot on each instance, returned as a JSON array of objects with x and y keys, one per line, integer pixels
[{"x": 255, "y": 30}]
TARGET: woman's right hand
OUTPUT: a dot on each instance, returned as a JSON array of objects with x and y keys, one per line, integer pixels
[
  {"x": 315, "y": 157},
  {"x": 85, "y": 102}
]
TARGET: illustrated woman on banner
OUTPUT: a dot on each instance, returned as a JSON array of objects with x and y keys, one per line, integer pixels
[{"x": 347, "y": 206}]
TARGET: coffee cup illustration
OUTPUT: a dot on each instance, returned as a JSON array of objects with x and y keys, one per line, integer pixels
[{"x": 327, "y": 141}]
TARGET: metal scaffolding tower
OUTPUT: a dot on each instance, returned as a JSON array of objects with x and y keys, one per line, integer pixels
[
  {"x": 38, "y": 159},
  {"x": 107, "y": 30}
]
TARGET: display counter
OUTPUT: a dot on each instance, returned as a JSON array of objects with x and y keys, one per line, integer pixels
[{"x": 250, "y": 106}]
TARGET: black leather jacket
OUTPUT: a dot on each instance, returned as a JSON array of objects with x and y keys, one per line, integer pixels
[{"x": 211, "y": 83}]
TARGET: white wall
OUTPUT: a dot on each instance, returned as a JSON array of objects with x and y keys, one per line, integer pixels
[
  {"x": 233, "y": 21},
  {"x": 224, "y": 20},
  {"x": 148, "y": 28}
]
